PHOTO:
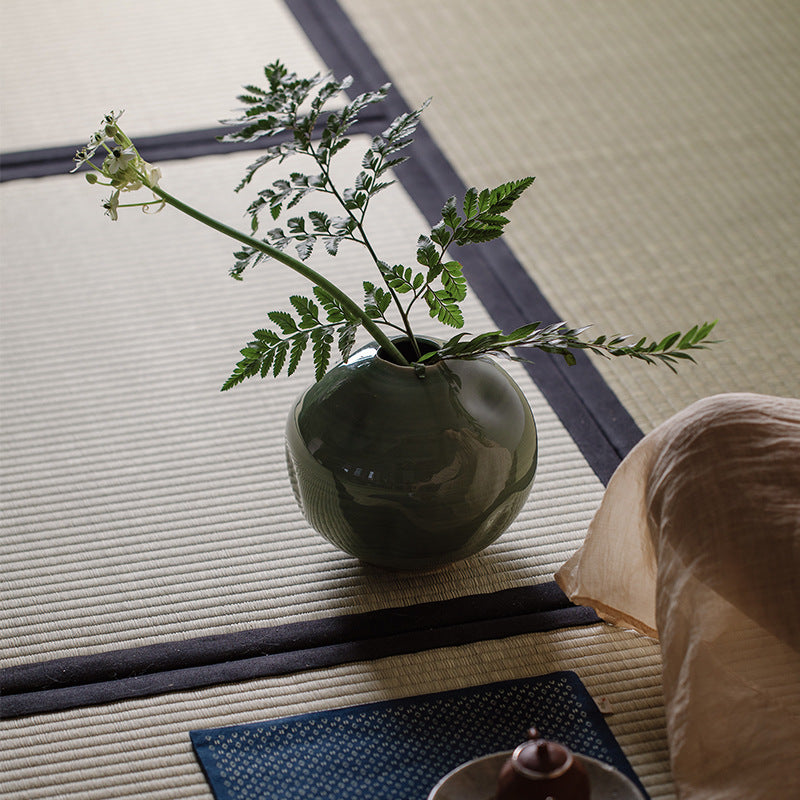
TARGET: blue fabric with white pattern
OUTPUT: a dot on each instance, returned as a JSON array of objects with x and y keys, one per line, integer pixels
[{"x": 399, "y": 749}]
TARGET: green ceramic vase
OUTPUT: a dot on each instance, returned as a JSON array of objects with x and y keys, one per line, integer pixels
[{"x": 411, "y": 470}]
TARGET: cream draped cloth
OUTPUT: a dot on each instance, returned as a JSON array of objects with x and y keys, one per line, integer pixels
[{"x": 697, "y": 543}]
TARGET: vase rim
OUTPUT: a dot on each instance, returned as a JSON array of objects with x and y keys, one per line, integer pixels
[{"x": 429, "y": 344}]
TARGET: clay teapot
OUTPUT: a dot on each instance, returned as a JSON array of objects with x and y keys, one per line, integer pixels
[{"x": 539, "y": 769}]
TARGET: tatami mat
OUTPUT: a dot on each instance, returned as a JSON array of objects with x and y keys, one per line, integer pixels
[
  {"x": 141, "y": 749},
  {"x": 175, "y": 66},
  {"x": 143, "y": 505},
  {"x": 665, "y": 137}
]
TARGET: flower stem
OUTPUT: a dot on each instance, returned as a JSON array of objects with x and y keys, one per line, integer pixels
[
  {"x": 364, "y": 240},
  {"x": 298, "y": 266}
]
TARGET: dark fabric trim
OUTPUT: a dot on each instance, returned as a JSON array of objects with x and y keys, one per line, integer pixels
[
  {"x": 211, "y": 660},
  {"x": 156, "y": 149}
]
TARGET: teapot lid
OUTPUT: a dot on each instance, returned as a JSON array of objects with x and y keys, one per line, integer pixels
[{"x": 538, "y": 758}]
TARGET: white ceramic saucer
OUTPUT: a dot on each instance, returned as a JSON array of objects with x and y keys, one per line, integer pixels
[{"x": 477, "y": 780}]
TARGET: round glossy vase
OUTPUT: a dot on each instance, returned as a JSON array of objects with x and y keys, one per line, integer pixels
[{"x": 411, "y": 470}]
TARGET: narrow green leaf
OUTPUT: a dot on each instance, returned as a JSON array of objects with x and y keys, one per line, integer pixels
[
  {"x": 347, "y": 340},
  {"x": 427, "y": 255},
  {"x": 688, "y": 338},
  {"x": 266, "y": 336},
  {"x": 266, "y": 363},
  {"x": 279, "y": 359},
  {"x": 440, "y": 234},
  {"x": 321, "y": 339},
  {"x": 298, "y": 348},
  {"x": 284, "y": 321},
  {"x": 470, "y": 207},
  {"x": 669, "y": 341},
  {"x": 449, "y": 214}
]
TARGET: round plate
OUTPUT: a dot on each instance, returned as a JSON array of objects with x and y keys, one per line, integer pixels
[{"x": 477, "y": 780}]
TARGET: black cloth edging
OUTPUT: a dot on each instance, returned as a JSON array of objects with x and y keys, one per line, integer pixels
[
  {"x": 150, "y": 670},
  {"x": 158, "y": 148}
]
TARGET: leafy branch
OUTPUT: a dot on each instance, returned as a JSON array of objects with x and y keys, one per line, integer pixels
[
  {"x": 294, "y": 118},
  {"x": 483, "y": 220},
  {"x": 270, "y": 351},
  {"x": 562, "y": 340}
]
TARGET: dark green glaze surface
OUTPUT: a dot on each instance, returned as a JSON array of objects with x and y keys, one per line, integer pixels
[{"x": 408, "y": 472}]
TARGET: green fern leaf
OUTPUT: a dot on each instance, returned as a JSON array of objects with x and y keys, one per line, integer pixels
[
  {"x": 427, "y": 254},
  {"x": 321, "y": 340},
  {"x": 266, "y": 363},
  {"x": 347, "y": 339},
  {"x": 450, "y": 215},
  {"x": 279, "y": 359},
  {"x": 454, "y": 281},
  {"x": 504, "y": 196},
  {"x": 298, "y": 348},
  {"x": 334, "y": 312},
  {"x": 444, "y": 308},
  {"x": 307, "y": 310},
  {"x": 470, "y": 207},
  {"x": 284, "y": 321}
]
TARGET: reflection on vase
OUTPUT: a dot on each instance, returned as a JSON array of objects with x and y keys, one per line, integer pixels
[{"x": 409, "y": 472}]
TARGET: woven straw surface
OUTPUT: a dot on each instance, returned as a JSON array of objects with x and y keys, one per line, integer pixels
[
  {"x": 173, "y": 66},
  {"x": 665, "y": 137},
  {"x": 140, "y": 503},
  {"x": 141, "y": 749}
]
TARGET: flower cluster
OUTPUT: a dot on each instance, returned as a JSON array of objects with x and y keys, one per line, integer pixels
[{"x": 124, "y": 169}]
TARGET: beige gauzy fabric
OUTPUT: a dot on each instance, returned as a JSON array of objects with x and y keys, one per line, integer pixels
[{"x": 697, "y": 542}]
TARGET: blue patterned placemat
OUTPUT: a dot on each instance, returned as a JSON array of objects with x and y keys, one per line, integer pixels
[{"x": 399, "y": 749}]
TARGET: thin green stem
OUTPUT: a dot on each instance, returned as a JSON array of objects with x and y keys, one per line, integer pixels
[
  {"x": 136, "y": 205},
  {"x": 364, "y": 240},
  {"x": 289, "y": 261}
]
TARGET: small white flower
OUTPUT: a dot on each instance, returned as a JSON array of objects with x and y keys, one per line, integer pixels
[
  {"x": 118, "y": 160},
  {"x": 96, "y": 140},
  {"x": 124, "y": 168},
  {"x": 153, "y": 174},
  {"x": 108, "y": 127},
  {"x": 112, "y": 117},
  {"x": 85, "y": 153},
  {"x": 81, "y": 157},
  {"x": 111, "y": 205}
]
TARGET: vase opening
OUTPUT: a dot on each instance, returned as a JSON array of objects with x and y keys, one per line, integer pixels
[{"x": 405, "y": 346}]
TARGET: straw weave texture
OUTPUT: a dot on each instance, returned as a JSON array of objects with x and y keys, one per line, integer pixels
[
  {"x": 173, "y": 66},
  {"x": 143, "y": 505},
  {"x": 140, "y": 749},
  {"x": 665, "y": 137},
  {"x": 140, "y": 505}
]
